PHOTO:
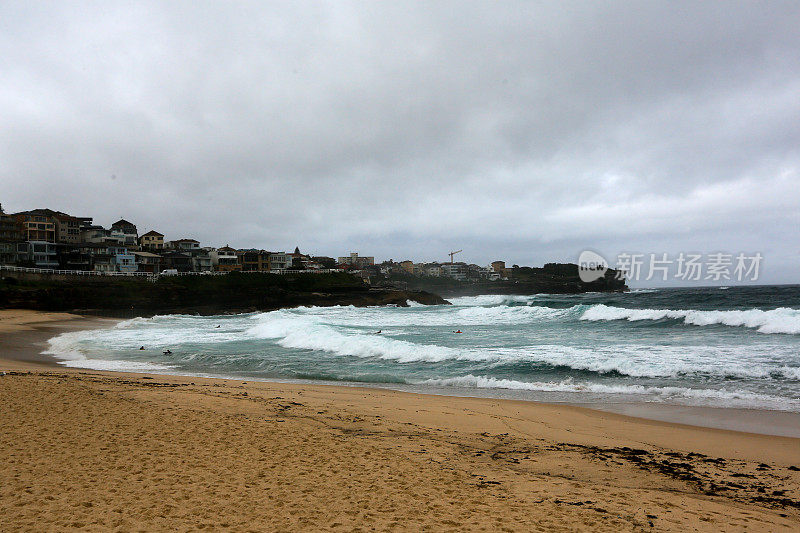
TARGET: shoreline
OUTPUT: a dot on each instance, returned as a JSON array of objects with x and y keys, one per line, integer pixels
[
  {"x": 26, "y": 337},
  {"x": 102, "y": 450}
]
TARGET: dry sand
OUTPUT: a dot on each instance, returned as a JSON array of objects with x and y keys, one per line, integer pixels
[{"x": 103, "y": 451}]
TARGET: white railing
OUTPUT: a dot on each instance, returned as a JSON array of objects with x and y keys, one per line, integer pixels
[
  {"x": 320, "y": 271},
  {"x": 12, "y": 268},
  {"x": 72, "y": 272}
]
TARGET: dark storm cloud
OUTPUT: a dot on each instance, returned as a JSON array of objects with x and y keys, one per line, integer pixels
[{"x": 515, "y": 130}]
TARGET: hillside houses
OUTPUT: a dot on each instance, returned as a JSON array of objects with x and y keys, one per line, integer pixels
[{"x": 43, "y": 238}]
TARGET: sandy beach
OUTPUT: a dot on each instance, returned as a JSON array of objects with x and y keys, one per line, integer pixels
[{"x": 99, "y": 451}]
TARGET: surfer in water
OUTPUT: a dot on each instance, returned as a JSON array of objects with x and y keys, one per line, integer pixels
[{"x": 167, "y": 352}]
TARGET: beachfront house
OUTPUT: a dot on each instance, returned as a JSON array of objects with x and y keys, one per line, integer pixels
[
  {"x": 201, "y": 259},
  {"x": 37, "y": 225},
  {"x": 184, "y": 245},
  {"x": 126, "y": 231},
  {"x": 148, "y": 262},
  {"x": 152, "y": 241},
  {"x": 174, "y": 260},
  {"x": 93, "y": 234},
  {"x": 225, "y": 260},
  {"x": 279, "y": 261},
  {"x": 123, "y": 260},
  {"x": 253, "y": 260},
  {"x": 74, "y": 257},
  {"x": 9, "y": 235},
  {"x": 68, "y": 228},
  {"x": 38, "y": 254}
]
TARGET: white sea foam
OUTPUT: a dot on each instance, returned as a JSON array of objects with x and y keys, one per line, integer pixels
[
  {"x": 74, "y": 349},
  {"x": 67, "y": 345},
  {"x": 542, "y": 345},
  {"x": 780, "y": 320},
  {"x": 454, "y": 316},
  {"x": 493, "y": 299},
  {"x": 724, "y": 396},
  {"x": 117, "y": 365},
  {"x": 299, "y": 332},
  {"x": 646, "y": 361},
  {"x": 643, "y": 361}
]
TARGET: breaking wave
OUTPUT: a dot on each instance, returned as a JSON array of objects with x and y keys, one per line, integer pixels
[
  {"x": 662, "y": 393},
  {"x": 297, "y": 332},
  {"x": 493, "y": 299},
  {"x": 780, "y": 320},
  {"x": 543, "y": 343},
  {"x": 430, "y": 316}
]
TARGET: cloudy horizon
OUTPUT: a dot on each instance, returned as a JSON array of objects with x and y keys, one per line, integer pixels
[{"x": 516, "y": 131}]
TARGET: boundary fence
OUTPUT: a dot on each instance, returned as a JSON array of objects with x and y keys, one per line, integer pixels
[{"x": 154, "y": 276}]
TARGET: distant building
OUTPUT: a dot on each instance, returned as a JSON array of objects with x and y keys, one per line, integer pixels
[
  {"x": 324, "y": 261},
  {"x": 253, "y": 260},
  {"x": 104, "y": 262},
  {"x": 38, "y": 225},
  {"x": 184, "y": 245},
  {"x": 93, "y": 234},
  {"x": 39, "y": 254},
  {"x": 279, "y": 261},
  {"x": 148, "y": 262},
  {"x": 408, "y": 266},
  {"x": 68, "y": 228},
  {"x": 299, "y": 260},
  {"x": 125, "y": 227},
  {"x": 356, "y": 261},
  {"x": 225, "y": 259},
  {"x": 175, "y": 260},
  {"x": 201, "y": 259},
  {"x": 498, "y": 266},
  {"x": 9, "y": 236},
  {"x": 478, "y": 272},
  {"x": 457, "y": 271},
  {"x": 123, "y": 260},
  {"x": 152, "y": 241},
  {"x": 74, "y": 257},
  {"x": 433, "y": 269}
]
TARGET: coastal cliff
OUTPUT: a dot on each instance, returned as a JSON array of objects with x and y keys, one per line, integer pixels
[
  {"x": 552, "y": 278},
  {"x": 204, "y": 295}
]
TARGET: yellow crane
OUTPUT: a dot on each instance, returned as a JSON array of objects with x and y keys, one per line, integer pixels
[{"x": 451, "y": 254}]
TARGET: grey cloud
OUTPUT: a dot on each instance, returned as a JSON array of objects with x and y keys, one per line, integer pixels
[{"x": 516, "y": 130}]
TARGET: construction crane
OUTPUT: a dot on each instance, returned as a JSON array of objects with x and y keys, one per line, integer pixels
[{"x": 451, "y": 254}]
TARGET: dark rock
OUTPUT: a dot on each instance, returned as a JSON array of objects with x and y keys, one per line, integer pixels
[{"x": 202, "y": 295}]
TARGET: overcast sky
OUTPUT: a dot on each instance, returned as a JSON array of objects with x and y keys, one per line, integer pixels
[{"x": 520, "y": 131}]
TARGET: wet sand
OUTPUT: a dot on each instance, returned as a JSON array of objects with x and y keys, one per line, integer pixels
[{"x": 108, "y": 451}]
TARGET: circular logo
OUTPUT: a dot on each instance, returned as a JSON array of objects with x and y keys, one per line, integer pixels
[{"x": 591, "y": 266}]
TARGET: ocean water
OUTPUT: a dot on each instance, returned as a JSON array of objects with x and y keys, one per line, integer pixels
[{"x": 722, "y": 347}]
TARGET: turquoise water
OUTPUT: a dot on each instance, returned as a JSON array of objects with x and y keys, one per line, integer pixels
[{"x": 737, "y": 347}]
